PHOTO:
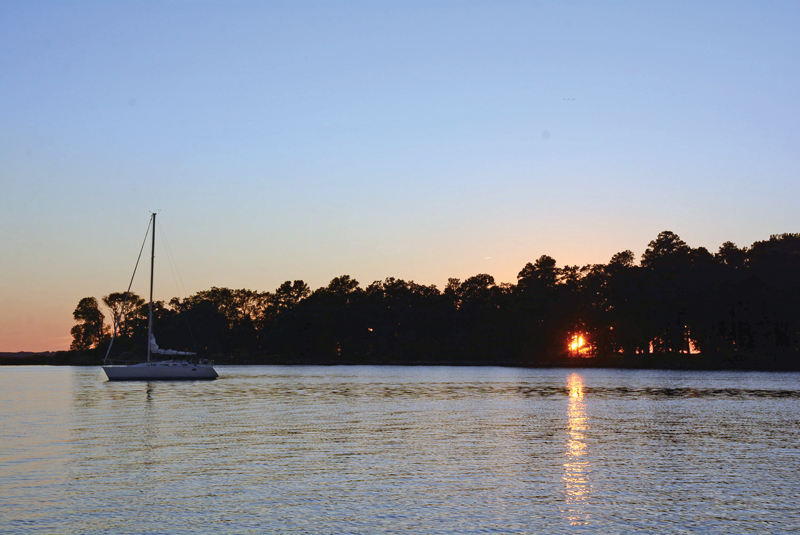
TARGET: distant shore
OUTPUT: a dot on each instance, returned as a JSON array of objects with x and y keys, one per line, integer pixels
[
  {"x": 677, "y": 308},
  {"x": 684, "y": 361},
  {"x": 26, "y": 354}
]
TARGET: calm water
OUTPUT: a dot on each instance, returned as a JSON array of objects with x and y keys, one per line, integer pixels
[{"x": 400, "y": 450}]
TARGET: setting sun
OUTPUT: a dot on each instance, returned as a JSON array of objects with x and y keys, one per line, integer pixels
[{"x": 576, "y": 343}]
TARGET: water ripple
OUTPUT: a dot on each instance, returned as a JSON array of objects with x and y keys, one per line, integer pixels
[{"x": 411, "y": 450}]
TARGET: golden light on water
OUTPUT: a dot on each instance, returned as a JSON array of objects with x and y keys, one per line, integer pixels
[
  {"x": 575, "y": 385},
  {"x": 576, "y": 465}
]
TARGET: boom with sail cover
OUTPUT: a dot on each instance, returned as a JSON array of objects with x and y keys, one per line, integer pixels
[{"x": 154, "y": 349}]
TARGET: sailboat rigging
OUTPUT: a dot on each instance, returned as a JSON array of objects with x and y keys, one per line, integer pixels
[{"x": 155, "y": 369}]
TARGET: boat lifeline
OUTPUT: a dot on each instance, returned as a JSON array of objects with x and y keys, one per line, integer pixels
[{"x": 151, "y": 370}]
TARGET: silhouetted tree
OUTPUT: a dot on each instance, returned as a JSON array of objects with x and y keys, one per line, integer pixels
[
  {"x": 90, "y": 331},
  {"x": 127, "y": 311},
  {"x": 775, "y": 265},
  {"x": 289, "y": 294}
]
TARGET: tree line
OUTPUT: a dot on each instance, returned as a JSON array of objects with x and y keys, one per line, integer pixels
[{"x": 677, "y": 306}]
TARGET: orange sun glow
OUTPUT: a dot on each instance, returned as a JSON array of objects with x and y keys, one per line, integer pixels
[{"x": 576, "y": 343}]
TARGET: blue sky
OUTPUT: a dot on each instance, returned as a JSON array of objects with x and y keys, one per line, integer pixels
[{"x": 420, "y": 140}]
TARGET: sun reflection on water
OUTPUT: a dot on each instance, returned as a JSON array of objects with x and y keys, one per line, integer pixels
[{"x": 576, "y": 465}]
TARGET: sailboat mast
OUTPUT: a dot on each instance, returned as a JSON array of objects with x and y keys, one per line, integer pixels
[{"x": 152, "y": 264}]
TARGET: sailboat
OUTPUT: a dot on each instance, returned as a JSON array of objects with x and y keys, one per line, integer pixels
[{"x": 152, "y": 370}]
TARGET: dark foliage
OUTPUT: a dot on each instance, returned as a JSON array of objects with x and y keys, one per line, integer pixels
[{"x": 679, "y": 307}]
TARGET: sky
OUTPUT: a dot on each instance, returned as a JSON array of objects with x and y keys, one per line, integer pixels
[{"x": 420, "y": 140}]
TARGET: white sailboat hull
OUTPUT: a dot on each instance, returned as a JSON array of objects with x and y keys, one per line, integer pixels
[{"x": 161, "y": 371}]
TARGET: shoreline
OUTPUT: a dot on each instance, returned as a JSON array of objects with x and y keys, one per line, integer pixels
[{"x": 781, "y": 362}]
